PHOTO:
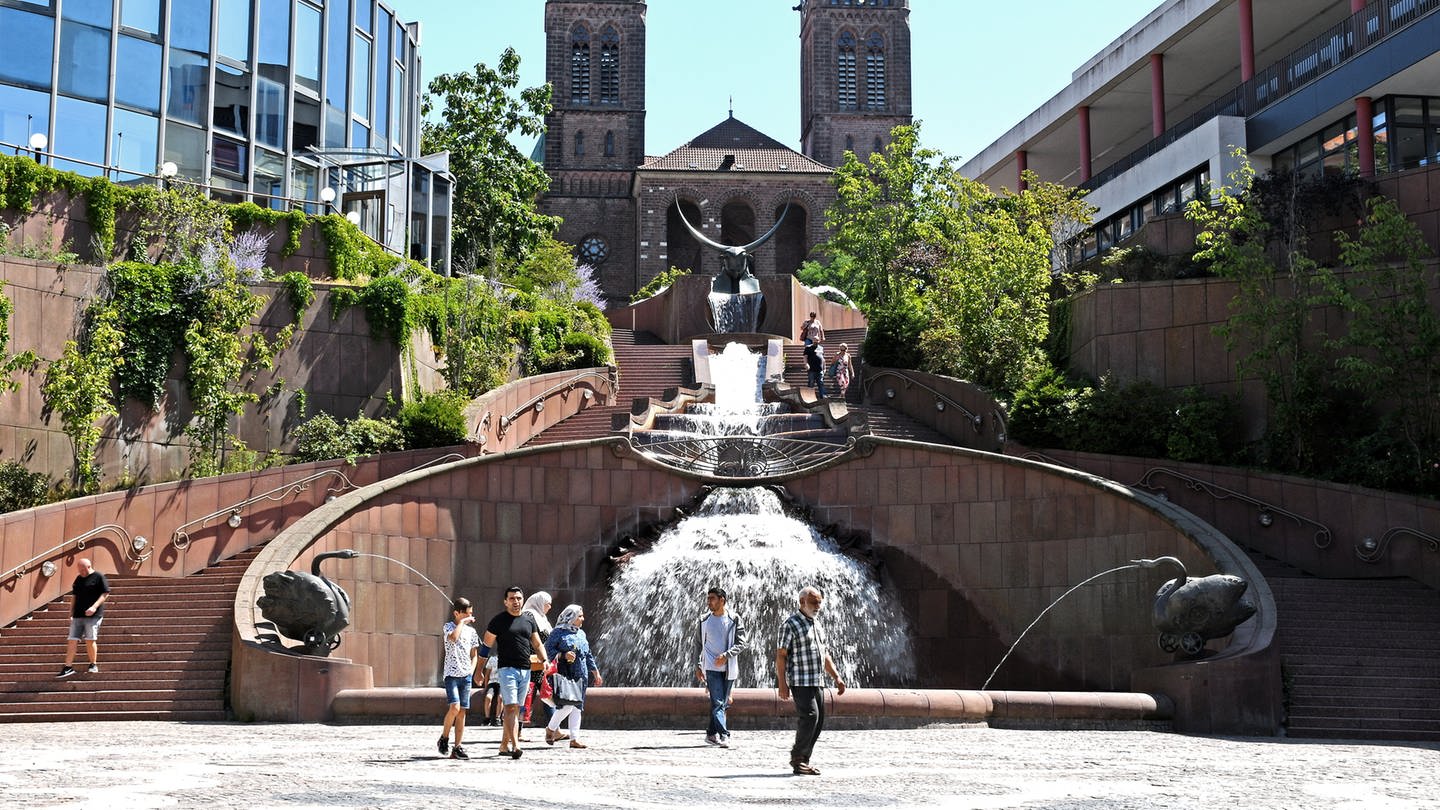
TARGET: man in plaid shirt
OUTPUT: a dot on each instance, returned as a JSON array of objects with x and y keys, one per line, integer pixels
[{"x": 802, "y": 661}]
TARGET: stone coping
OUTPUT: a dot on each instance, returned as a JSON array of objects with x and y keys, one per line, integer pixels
[{"x": 920, "y": 706}]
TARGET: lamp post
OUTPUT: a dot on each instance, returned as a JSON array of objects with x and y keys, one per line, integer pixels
[
  {"x": 38, "y": 142},
  {"x": 327, "y": 196},
  {"x": 168, "y": 170}
]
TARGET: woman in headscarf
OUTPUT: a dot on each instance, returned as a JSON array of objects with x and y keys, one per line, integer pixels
[
  {"x": 575, "y": 670},
  {"x": 538, "y": 605}
]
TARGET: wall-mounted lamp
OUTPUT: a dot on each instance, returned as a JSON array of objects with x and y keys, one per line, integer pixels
[
  {"x": 889, "y": 393},
  {"x": 329, "y": 498},
  {"x": 48, "y": 569},
  {"x": 168, "y": 169},
  {"x": 1266, "y": 519},
  {"x": 939, "y": 405},
  {"x": 1369, "y": 545},
  {"x": 139, "y": 544},
  {"x": 587, "y": 395},
  {"x": 234, "y": 521},
  {"x": 353, "y": 217},
  {"x": 539, "y": 406}
]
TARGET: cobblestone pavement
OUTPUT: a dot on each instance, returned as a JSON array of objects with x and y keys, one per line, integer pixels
[{"x": 146, "y": 764}]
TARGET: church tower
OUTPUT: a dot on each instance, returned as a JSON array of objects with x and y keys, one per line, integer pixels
[
  {"x": 854, "y": 76},
  {"x": 595, "y": 135}
]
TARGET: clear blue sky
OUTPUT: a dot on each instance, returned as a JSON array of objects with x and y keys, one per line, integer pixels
[{"x": 979, "y": 66}]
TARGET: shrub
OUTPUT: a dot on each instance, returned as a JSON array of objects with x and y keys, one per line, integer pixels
[
  {"x": 322, "y": 437},
  {"x": 893, "y": 339},
  {"x": 433, "y": 420},
  {"x": 1046, "y": 410},
  {"x": 20, "y": 488},
  {"x": 660, "y": 282}
]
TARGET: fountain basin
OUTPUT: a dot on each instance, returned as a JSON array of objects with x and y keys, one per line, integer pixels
[{"x": 660, "y": 707}]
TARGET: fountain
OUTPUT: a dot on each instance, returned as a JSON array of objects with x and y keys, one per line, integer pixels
[
  {"x": 736, "y": 303},
  {"x": 743, "y": 540}
]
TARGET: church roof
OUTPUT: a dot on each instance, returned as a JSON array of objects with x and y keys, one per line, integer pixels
[{"x": 733, "y": 145}]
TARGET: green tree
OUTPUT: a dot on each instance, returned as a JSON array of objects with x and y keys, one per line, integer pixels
[
  {"x": 496, "y": 186},
  {"x": 77, "y": 388},
  {"x": 1278, "y": 289}
]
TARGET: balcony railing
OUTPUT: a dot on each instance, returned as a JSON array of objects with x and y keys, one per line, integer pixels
[{"x": 1331, "y": 49}]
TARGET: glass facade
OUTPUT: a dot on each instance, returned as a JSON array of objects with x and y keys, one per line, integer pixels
[
  {"x": 267, "y": 100},
  {"x": 1407, "y": 136}
]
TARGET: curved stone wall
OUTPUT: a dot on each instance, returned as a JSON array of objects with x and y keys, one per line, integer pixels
[{"x": 974, "y": 546}]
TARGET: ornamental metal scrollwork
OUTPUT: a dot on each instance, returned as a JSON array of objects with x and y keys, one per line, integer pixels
[
  {"x": 1268, "y": 511},
  {"x": 1371, "y": 550}
]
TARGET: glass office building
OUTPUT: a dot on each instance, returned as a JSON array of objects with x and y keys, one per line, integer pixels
[{"x": 274, "y": 101}]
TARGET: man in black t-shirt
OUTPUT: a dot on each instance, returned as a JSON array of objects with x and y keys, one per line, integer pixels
[
  {"x": 91, "y": 589},
  {"x": 515, "y": 637}
]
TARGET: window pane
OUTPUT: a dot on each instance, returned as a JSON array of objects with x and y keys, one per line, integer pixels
[
  {"x": 362, "y": 15},
  {"x": 334, "y": 127},
  {"x": 136, "y": 136},
  {"x": 22, "y": 113},
  {"x": 1409, "y": 146},
  {"x": 307, "y": 123},
  {"x": 137, "y": 69},
  {"x": 80, "y": 134},
  {"x": 1409, "y": 110},
  {"x": 274, "y": 46},
  {"x": 229, "y": 156},
  {"x": 397, "y": 105},
  {"x": 359, "y": 135},
  {"x": 307, "y": 47},
  {"x": 270, "y": 113},
  {"x": 185, "y": 147},
  {"x": 190, "y": 25},
  {"x": 304, "y": 184},
  {"x": 95, "y": 12},
  {"x": 188, "y": 94},
  {"x": 84, "y": 61},
  {"x": 382, "y": 79},
  {"x": 29, "y": 47},
  {"x": 270, "y": 178},
  {"x": 337, "y": 58},
  {"x": 233, "y": 30},
  {"x": 141, "y": 14},
  {"x": 360, "y": 96},
  {"x": 232, "y": 100}
]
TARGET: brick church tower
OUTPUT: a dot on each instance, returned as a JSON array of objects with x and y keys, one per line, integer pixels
[
  {"x": 595, "y": 136},
  {"x": 854, "y": 75}
]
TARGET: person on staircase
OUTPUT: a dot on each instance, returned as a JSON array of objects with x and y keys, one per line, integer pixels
[
  {"x": 843, "y": 370},
  {"x": 815, "y": 366},
  {"x": 90, "y": 591},
  {"x": 812, "y": 331}
]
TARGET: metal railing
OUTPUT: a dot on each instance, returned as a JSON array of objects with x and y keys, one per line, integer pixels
[
  {"x": 180, "y": 538},
  {"x": 136, "y": 549},
  {"x": 537, "y": 402},
  {"x": 1334, "y": 47},
  {"x": 942, "y": 400}
]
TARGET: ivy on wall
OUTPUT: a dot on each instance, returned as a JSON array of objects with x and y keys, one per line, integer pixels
[{"x": 25, "y": 361}]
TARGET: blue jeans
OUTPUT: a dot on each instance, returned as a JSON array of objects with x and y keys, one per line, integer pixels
[
  {"x": 457, "y": 690},
  {"x": 719, "y": 685}
]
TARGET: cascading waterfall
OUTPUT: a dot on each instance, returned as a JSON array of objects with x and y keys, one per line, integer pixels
[
  {"x": 736, "y": 312},
  {"x": 743, "y": 541}
]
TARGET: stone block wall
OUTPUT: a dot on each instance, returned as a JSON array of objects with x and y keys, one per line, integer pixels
[{"x": 341, "y": 368}]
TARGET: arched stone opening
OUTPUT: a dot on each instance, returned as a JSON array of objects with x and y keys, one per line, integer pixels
[
  {"x": 685, "y": 251},
  {"x": 791, "y": 243},
  {"x": 737, "y": 223}
]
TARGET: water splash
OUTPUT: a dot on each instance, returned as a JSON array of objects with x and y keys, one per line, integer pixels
[
  {"x": 742, "y": 540},
  {"x": 735, "y": 313}
]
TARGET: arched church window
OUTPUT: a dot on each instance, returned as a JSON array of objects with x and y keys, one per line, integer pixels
[
  {"x": 579, "y": 65},
  {"x": 594, "y": 250},
  {"x": 609, "y": 65},
  {"x": 845, "y": 71},
  {"x": 579, "y": 144},
  {"x": 875, "y": 71},
  {"x": 610, "y": 143}
]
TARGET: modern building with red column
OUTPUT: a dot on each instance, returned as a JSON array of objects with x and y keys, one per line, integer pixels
[{"x": 1148, "y": 148}]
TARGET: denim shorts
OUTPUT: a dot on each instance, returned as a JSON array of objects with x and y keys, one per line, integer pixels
[
  {"x": 457, "y": 690},
  {"x": 514, "y": 682},
  {"x": 85, "y": 627}
]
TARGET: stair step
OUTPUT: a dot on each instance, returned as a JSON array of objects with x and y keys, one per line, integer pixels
[{"x": 70, "y": 715}]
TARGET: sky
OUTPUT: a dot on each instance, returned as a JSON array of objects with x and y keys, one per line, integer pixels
[{"x": 978, "y": 66}]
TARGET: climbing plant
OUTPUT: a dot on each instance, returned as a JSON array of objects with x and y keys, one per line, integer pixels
[
  {"x": 26, "y": 360},
  {"x": 77, "y": 389}
]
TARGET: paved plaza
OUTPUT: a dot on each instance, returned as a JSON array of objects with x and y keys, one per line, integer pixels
[{"x": 152, "y": 764}]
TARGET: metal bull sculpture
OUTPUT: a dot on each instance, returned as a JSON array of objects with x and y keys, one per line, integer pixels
[
  {"x": 308, "y": 607},
  {"x": 1189, "y": 612},
  {"x": 736, "y": 261}
]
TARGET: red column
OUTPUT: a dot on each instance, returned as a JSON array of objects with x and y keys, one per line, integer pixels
[
  {"x": 1365, "y": 135},
  {"x": 1247, "y": 40},
  {"x": 1157, "y": 94},
  {"x": 1084, "y": 111},
  {"x": 1357, "y": 6},
  {"x": 1022, "y": 162}
]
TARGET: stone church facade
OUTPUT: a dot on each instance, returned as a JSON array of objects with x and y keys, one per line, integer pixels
[{"x": 621, "y": 208}]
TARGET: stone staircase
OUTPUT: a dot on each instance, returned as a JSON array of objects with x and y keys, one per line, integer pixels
[
  {"x": 164, "y": 653},
  {"x": 1361, "y": 657}
]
